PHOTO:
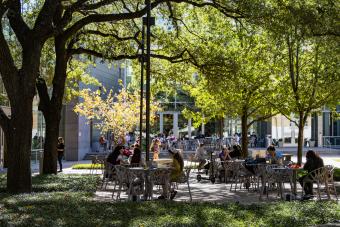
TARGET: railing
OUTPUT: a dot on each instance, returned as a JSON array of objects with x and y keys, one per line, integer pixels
[
  {"x": 192, "y": 144},
  {"x": 331, "y": 141},
  {"x": 35, "y": 155}
]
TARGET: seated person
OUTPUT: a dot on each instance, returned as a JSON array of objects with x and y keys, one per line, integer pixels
[
  {"x": 112, "y": 157},
  {"x": 236, "y": 152},
  {"x": 224, "y": 155},
  {"x": 116, "y": 156},
  {"x": 176, "y": 172},
  {"x": 313, "y": 162},
  {"x": 123, "y": 157},
  {"x": 136, "y": 158},
  {"x": 272, "y": 156},
  {"x": 200, "y": 156},
  {"x": 127, "y": 153}
]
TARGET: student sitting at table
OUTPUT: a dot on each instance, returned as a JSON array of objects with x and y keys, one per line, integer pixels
[
  {"x": 313, "y": 162},
  {"x": 272, "y": 156},
  {"x": 236, "y": 152},
  {"x": 176, "y": 172},
  {"x": 116, "y": 157},
  {"x": 224, "y": 156},
  {"x": 136, "y": 158},
  {"x": 112, "y": 157}
]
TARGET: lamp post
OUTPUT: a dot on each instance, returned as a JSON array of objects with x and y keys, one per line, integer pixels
[
  {"x": 149, "y": 22},
  {"x": 141, "y": 90}
]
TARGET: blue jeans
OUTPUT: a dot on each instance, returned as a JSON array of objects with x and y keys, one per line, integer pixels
[{"x": 60, "y": 158}]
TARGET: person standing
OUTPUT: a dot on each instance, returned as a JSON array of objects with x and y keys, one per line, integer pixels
[
  {"x": 155, "y": 148},
  {"x": 60, "y": 150},
  {"x": 102, "y": 142}
]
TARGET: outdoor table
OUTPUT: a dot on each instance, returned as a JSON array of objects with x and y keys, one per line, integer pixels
[
  {"x": 163, "y": 162},
  {"x": 283, "y": 172}
]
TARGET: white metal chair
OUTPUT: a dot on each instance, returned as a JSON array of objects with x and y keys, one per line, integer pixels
[
  {"x": 122, "y": 179},
  {"x": 184, "y": 178},
  {"x": 108, "y": 174},
  {"x": 323, "y": 177}
]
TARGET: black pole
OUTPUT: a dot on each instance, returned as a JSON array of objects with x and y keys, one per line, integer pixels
[
  {"x": 148, "y": 50},
  {"x": 141, "y": 91}
]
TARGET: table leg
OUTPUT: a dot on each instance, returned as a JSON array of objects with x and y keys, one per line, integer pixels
[{"x": 294, "y": 182}]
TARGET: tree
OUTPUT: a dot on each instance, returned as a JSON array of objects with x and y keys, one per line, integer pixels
[
  {"x": 86, "y": 28},
  {"x": 233, "y": 59},
  {"x": 307, "y": 75},
  {"x": 60, "y": 21},
  {"x": 118, "y": 113}
]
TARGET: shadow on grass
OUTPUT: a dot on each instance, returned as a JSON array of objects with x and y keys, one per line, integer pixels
[
  {"x": 59, "y": 182},
  {"x": 77, "y": 209},
  {"x": 67, "y": 200}
]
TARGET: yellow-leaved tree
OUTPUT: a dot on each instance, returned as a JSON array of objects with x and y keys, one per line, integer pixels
[{"x": 118, "y": 113}]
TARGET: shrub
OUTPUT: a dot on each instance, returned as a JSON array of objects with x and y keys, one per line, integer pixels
[{"x": 87, "y": 166}]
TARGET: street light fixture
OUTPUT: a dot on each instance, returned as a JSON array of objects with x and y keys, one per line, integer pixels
[{"x": 148, "y": 22}]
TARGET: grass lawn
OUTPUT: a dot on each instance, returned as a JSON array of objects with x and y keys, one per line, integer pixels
[{"x": 67, "y": 200}]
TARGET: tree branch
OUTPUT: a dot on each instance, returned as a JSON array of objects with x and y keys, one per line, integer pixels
[
  {"x": 44, "y": 23},
  {"x": 96, "y": 5},
  {"x": 116, "y": 36},
  {"x": 81, "y": 50},
  {"x": 7, "y": 66},
  {"x": 139, "y": 13},
  {"x": 44, "y": 100},
  {"x": 18, "y": 24},
  {"x": 107, "y": 17},
  {"x": 4, "y": 120},
  {"x": 262, "y": 118}
]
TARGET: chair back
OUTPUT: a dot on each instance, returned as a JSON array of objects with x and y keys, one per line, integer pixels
[
  {"x": 121, "y": 173},
  {"x": 160, "y": 176},
  {"x": 330, "y": 172},
  {"x": 319, "y": 175},
  {"x": 184, "y": 176}
]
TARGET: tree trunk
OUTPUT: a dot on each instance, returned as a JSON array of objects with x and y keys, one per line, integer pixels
[
  {"x": 51, "y": 108},
  {"x": 221, "y": 128},
  {"x": 244, "y": 124},
  {"x": 5, "y": 153},
  {"x": 19, "y": 139},
  {"x": 300, "y": 137},
  {"x": 50, "y": 146}
]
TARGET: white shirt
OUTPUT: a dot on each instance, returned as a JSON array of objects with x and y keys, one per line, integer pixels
[{"x": 200, "y": 153}]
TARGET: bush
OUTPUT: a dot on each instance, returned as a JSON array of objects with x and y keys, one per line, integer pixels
[{"x": 87, "y": 166}]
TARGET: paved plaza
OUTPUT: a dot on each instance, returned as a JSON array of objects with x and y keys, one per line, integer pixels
[{"x": 204, "y": 190}]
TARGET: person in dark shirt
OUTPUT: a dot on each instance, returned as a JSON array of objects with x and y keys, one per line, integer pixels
[
  {"x": 136, "y": 158},
  {"x": 60, "y": 150},
  {"x": 113, "y": 156},
  {"x": 313, "y": 162},
  {"x": 236, "y": 152}
]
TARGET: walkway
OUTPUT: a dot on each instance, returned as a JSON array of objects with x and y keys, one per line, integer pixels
[{"x": 205, "y": 191}]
